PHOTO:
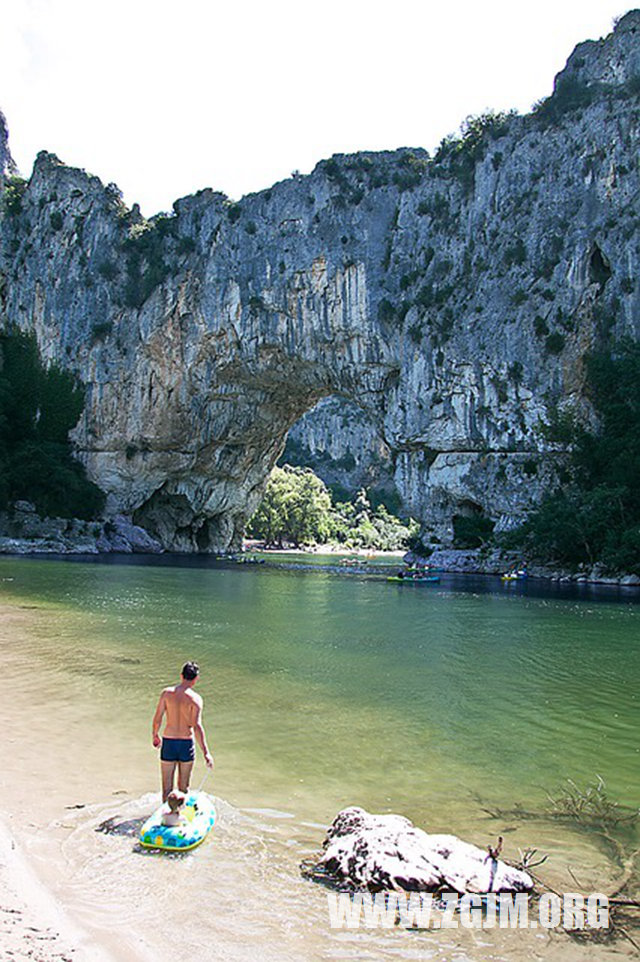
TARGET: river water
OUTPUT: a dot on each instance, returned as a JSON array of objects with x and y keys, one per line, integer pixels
[{"x": 451, "y": 704}]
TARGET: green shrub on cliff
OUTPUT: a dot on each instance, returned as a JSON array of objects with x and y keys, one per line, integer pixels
[
  {"x": 594, "y": 515},
  {"x": 38, "y": 408},
  {"x": 459, "y": 154},
  {"x": 149, "y": 258},
  {"x": 554, "y": 343},
  {"x": 14, "y": 191},
  {"x": 570, "y": 94}
]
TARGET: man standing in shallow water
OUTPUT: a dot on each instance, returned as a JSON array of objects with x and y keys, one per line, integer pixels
[{"x": 183, "y": 708}]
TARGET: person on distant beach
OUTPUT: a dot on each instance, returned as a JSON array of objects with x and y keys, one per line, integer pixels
[
  {"x": 175, "y": 801},
  {"x": 183, "y": 710}
]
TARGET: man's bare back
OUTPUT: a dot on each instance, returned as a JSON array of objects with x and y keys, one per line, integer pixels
[
  {"x": 183, "y": 727},
  {"x": 182, "y": 708}
]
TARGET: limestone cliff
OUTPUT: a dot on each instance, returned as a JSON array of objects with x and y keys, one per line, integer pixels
[
  {"x": 344, "y": 447},
  {"x": 7, "y": 166},
  {"x": 451, "y": 300}
]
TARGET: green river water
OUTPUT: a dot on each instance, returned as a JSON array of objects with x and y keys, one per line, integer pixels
[{"x": 322, "y": 689}]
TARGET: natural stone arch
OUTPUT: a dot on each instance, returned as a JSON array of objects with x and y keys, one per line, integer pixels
[
  {"x": 423, "y": 289},
  {"x": 186, "y": 445}
]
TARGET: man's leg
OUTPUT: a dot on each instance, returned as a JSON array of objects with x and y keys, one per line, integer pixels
[
  {"x": 184, "y": 775},
  {"x": 168, "y": 769}
]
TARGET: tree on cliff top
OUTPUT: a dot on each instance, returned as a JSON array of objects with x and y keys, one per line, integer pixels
[{"x": 38, "y": 408}]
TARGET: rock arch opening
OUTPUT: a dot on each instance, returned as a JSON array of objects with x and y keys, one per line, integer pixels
[
  {"x": 343, "y": 445},
  {"x": 204, "y": 504}
]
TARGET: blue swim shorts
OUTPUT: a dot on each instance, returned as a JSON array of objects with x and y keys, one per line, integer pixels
[{"x": 178, "y": 750}]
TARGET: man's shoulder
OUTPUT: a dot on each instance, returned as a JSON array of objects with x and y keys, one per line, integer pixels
[
  {"x": 196, "y": 697},
  {"x": 169, "y": 690}
]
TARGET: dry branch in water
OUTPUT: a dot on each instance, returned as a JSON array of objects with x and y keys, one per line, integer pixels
[{"x": 592, "y": 809}]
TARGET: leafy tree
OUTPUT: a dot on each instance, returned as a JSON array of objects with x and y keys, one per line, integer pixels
[
  {"x": 594, "y": 515},
  {"x": 298, "y": 509},
  {"x": 308, "y": 508},
  {"x": 38, "y": 408}
]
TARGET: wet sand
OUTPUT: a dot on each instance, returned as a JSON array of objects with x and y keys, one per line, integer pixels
[
  {"x": 33, "y": 926},
  {"x": 42, "y": 780}
]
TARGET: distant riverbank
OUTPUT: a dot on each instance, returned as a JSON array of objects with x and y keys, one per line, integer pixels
[
  {"x": 495, "y": 562},
  {"x": 463, "y": 561},
  {"x": 324, "y": 549},
  {"x": 121, "y": 537}
]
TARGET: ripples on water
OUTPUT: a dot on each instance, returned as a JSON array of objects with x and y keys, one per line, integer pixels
[{"x": 322, "y": 689}]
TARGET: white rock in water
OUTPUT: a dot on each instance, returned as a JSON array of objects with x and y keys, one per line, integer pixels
[{"x": 389, "y": 852}]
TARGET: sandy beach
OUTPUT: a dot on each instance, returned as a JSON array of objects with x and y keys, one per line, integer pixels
[
  {"x": 42, "y": 785},
  {"x": 258, "y": 547},
  {"x": 33, "y": 926}
]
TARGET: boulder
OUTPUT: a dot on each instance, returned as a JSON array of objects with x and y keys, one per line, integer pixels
[
  {"x": 24, "y": 507},
  {"x": 630, "y": 581},
  {"x": 379, "y": 852},
  {"x": 123, "y": 535},
  {"x": 113, "y": 543}
]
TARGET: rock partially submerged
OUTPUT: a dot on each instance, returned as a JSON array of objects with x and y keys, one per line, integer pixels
[{"x": 379, "y": 852}]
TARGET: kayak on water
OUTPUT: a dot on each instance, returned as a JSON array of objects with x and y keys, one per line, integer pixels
[
  {"x": 432, "y": 579},
  {"x": 514, "y": 576},
  {"x": 199, "y": 818}
]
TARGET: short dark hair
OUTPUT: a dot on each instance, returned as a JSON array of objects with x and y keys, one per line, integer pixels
[{"x": 190, "y": 671}]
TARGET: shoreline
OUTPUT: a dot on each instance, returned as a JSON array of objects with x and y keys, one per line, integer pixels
[
  {"x": 444, "y": 560},
  {"x": 495, "y": 563},
  {"x": 36, "y": 922},
  {"x": 28, "y": 535},
  {"x": 33, "y": 925},
  {"x": 322, "y": 549}
]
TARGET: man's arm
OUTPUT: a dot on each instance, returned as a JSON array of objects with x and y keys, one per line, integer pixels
[
  {"x": 201, "y": 738},
  {"x": 157, "y": 721}
]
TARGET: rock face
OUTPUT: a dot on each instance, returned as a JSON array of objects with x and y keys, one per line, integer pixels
[
  {"x": 450, "y": 300},
  {"x": 7, "y": 166},
  {"x": 378, "y": 852},
  {"x": 23, "y": 531},
  {"x": 343, "y": 446}
]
